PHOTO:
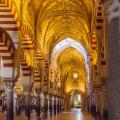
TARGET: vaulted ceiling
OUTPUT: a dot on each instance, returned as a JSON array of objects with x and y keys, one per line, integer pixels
[
  {"x": 60, "y": 19},
  {"x": 56, "y": 20},
  {"x": 71, "y": 65}
]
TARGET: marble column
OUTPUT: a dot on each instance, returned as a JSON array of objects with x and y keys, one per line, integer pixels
[
  {"x": 27, "y": 104},
  {"x": 114, "y": 69},
  {"x": 46, "y": 105},
  {"x": 63, "y": 105},
  {"x": 114, "y": 61},
  {"x": 48, "y": 99},
  {"x": 38, "y": 106},
  {"x": 67, "y": 102},
  {"x": 60, "y": 105},
  {"x": 10, "y": 111},
  {"x": 50, "y": 105},
  {"x": 55, "y": 104}
]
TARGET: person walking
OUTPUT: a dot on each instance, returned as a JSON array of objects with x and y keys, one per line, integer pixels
[{"x": 42, "y": 115}]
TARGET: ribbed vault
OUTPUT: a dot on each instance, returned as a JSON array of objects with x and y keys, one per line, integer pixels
[
  {"x": 70, "y": 65},
  {"x": 59, "y": 19},
  {"x": 70, "y": 57}
]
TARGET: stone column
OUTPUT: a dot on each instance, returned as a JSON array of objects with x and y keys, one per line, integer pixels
[
  {"x": 48, "y": 99},
  {"x": 50, "y": 105},
  {"x": 46, "y": 104},
  {"x": 114, "y": 69},
  {"x": 10, "y": 111},
  {"x": 55, "y": 104},
  {"x": 27, "y": 103},
  {"x": 38, "y": 105},
  {"x": 60, "y": 105},
  {"x": 114, "y": 61},
  {"x": 63, "y": 105},
  {"x": 67, "y": 102},
  {"x": 103, "y": 101}
]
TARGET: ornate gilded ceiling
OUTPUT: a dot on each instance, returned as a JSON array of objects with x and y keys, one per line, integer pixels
[
  {"x": 56, "y": 20},
  {"x": 71, "y": 57},
  {"x": 72, "y": 64},
  {"x": 59, "y": 19}
]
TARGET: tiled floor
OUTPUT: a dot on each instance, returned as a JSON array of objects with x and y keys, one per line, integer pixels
[{"x": 75, "y": 114}]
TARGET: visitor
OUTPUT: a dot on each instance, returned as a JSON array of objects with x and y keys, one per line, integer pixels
[{"x": 42, "y": 115}]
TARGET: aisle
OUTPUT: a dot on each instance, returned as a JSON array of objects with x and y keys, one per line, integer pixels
[{"x": 75, "y": 114}]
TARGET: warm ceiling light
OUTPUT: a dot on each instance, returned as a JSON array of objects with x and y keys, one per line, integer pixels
[{"x": 75, "y": 75}]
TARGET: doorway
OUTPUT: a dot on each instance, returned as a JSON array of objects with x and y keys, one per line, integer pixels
[{"x": 76, "y": 100}]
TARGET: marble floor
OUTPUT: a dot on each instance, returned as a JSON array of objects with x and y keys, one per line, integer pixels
[{"x": 74, "y": 114}]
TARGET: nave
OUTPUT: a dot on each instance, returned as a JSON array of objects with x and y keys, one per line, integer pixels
[
  {"x": 59, "y": 54},
  {"x": 74, "y": 114}
]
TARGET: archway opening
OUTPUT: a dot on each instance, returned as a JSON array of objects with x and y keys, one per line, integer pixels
[
  {"x": 70, "y": 63},
  {"x": 76, "y": 99}
]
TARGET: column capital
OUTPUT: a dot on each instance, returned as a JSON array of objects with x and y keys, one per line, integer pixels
[
  {"x": 9, "y": 83},
  {"x": 38, "y": 91},
  {"x": 112, "y": 9}
]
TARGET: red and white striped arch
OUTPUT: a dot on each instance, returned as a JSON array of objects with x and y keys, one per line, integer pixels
[
  {"x": 7, "y": 50},
  {"x": 26, "y": 62},
  {"x": 38, "y": 71},
  {"x": 27, "y": 40},
  {"x": 10, "y": 21}
]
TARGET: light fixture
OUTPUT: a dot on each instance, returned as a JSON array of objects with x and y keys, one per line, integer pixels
[{"x": 75, "y": 75}]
